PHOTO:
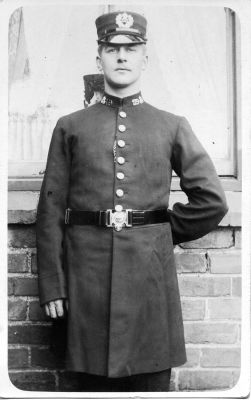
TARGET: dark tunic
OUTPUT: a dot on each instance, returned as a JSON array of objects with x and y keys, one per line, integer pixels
[{"x": 124, "y": 313}]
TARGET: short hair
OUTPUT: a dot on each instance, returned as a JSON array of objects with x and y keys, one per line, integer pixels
[{"x": 101, "y": 46}]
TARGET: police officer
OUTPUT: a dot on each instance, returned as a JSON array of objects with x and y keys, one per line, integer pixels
[{"x": 105, "y": 234}]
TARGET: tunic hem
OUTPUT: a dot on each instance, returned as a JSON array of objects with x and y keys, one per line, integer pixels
[{"x": 123, "y": 375}]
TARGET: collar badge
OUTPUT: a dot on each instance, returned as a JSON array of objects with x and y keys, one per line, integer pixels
[
  {"x": 124, "y": 20},
  {"x": 137, "y": 101},
  {"x": 103, "y": 100}
]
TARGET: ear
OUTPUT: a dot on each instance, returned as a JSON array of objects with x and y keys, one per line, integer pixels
[
  {"x": 145, "y": 62},
  {"x": 99, "y": 64}
]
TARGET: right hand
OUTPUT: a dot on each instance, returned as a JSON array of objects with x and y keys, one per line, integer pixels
[{"x": 55, "y": 309}]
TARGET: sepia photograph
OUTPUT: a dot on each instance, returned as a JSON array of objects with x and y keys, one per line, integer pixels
[{"x": 128, "y": 193}]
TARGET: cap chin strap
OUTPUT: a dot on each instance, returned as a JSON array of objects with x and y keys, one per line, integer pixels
[
  {"x": 104, "y": 41},
  {"x": 135, "y": 39}
]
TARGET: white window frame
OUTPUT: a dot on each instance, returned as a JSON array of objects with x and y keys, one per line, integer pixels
[{"x": 230, "y": 183}]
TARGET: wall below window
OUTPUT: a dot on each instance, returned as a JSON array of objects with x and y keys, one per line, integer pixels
[{"x": 209, "y": 272}]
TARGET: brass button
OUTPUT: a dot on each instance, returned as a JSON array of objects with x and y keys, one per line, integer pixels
[
  {"x": 122, "y": 114},
  {"x": 122, "y": 128},
  {"x": 120, "y": 175},
  {"x": 121, "y": 160},
  {"x": 118, "y": 208},
  {"x": 120, "y": 192},
  {"x": 121, "y": 143}
]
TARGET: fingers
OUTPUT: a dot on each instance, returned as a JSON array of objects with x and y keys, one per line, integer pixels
[
  {"x": 54, "y": 309},
  {"x": 47, "y": 310},
  {"x": 59, "y": 308}
]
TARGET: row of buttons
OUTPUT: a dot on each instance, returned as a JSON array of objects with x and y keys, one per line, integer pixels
[{"x": 121, "y": 160}]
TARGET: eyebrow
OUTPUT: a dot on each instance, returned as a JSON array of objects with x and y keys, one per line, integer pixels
[{"x": 116, "y": 45}]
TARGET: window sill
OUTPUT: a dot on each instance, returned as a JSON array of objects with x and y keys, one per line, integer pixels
[
  {"x": 22, "y": 207},
  {"x": 34, "y": 184}
]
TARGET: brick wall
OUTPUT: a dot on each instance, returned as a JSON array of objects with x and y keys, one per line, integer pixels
[{"x": 209, "y": 271}]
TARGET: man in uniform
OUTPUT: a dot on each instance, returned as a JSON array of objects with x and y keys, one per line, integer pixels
[{"x": 105, "y": 234}]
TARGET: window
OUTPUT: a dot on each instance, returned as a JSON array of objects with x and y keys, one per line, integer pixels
[{"x": 192, "y": 72}]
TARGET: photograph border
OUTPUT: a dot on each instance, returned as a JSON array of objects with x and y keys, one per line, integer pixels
[{"x": 242, "y": 388}]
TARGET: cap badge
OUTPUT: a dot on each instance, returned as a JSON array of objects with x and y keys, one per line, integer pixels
[{"x": 124, "y": 20}]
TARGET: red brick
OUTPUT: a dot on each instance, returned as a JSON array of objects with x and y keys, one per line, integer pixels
[
  {"x": 236, "y": 286},
  {"x": 18, "y": 358},
  {"x": 204, "y": 380},
  {"x": 206, "y": 332},
  {"x": 236, "y": 377},
  {"x": 21, "y": 236},
  {"x": 193, "y": 309},
  {"x": 237, "y": 238},
  {"x": 17, "y": 262},
  {"x": 34, "y": 263},
  {"x": 24, "y": 286},
  {"x": 221, "y": 238},
  {"x": 10, "y": 287},
  {"x": 202, "y": 285},
  {"x": 32, "y": 381},
  {"x": 29, "y": 334},
  {"x": 36, "y": 312},
  {"x": 190, "y": 262},
  {"x": 193, "y": 357},
  {"x": 227, "y": 262},
  {"x": 224, "y": 308},
  {"x": 220, "y": 357},
  {"x": 17, "y": 309},
  {"x": 172, "y": 381},
  {"x": 46, "y": 358}
]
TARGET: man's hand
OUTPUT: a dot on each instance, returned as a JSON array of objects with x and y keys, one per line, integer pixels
[{"x": 55, "y": 308}]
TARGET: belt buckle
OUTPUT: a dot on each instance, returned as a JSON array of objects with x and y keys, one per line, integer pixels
[
  {"x": 118, "y": 219},
  {"x": 67, "y": 216}
]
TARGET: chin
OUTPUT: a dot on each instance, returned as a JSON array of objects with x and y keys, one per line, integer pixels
[{"x": 120, "y": 83}]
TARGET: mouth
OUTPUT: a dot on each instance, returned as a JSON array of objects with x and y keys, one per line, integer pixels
[{"x": 122, "y": 69}]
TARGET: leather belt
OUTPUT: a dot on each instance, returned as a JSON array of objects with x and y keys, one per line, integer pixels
[{"x": 117, "y": 219}]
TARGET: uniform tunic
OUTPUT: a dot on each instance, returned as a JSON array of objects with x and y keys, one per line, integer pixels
[{"x": 124, "y": 314}]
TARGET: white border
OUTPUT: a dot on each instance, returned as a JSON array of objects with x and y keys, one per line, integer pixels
[{"x": 242, "y": 388}]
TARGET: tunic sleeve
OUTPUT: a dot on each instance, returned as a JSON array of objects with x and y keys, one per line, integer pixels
[
  {"x": 198, "y": 179},
  {"x": 50, "y": 218}
]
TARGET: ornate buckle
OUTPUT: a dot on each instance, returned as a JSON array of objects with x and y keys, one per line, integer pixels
[{"x": 118, "y": 219}]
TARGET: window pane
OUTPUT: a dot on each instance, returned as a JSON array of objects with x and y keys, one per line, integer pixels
[{"x": 188, "y": 73}]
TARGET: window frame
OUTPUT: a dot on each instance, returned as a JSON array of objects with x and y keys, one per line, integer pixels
[{"x": 230, "y": 183}]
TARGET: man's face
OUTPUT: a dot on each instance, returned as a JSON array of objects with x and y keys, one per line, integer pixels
[{"x": 122, "y": 64}]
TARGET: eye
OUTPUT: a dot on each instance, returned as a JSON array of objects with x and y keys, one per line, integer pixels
[
  {"x": 131, "y": 48},
  {"x": 110, "y": 50}
]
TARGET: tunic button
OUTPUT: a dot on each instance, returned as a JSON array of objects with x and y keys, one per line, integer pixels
[
  {"x": 121, "y": 160},
  {"x": 120, "y": 175},
  {"x": 121, "y": 143},
  {"x": 122, "y": 128},
  {"x": 120, "y": 192},
  {"x": 122, "y": 114},
  {"x": 118, "y": 208}
]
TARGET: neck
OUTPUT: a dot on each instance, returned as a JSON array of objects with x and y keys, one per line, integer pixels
[{"x": 123, "y": 91}]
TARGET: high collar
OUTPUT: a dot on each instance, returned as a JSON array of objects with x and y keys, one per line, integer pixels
[{"x": 129, "y": 101}]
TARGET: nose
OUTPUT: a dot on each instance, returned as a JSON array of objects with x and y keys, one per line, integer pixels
[{"x": 121, "y": 55}]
